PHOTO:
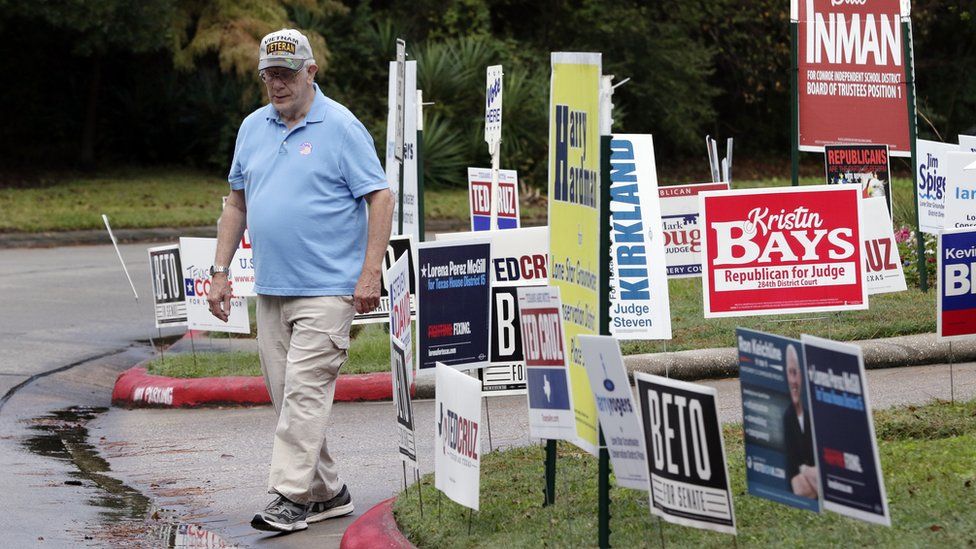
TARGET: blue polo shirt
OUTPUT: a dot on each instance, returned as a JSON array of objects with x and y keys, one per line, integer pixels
[{"x": 304, "y": 188}]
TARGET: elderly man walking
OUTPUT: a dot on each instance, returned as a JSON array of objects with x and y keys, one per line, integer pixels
[{"x": 303, "y": 173}]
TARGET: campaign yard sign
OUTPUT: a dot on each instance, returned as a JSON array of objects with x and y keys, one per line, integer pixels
[
  {"x": 781, "y": 461},
  {"x": 550, "y": 391},
  {"x": 400, "y": 360},
  {"x": 931, "y": 178},
  {"x": 882, "y": 262},
  {"x": 851, "y": 483},
  {"x": 457, "y": 445},
  {"x": 618, "y": 412},
  {"x": 864, "y": 165},
  {"x": 411, "y": 217},
  {"x": 196, "y": 257},
  {"x": 242, "y": 266},
  {"x": 957, "y": 289},
  {"x": 574, "y": 215},
  {"x": 851, "y": 74},
  {"x": 685, "y": 453},
  {"x": 169, "y": 300},
  {"x": 479, "y": 195},
  {"x": 682, "y": 231},
  {"x": 519, "y": 258},
  {"x": 961, "y": 190},
  {"x": 639, "y": 303},
  {"x": 401, "y": 357},
  {"x": 399, "y": 246},
  {"x": 782, "y": 250},
  {"x": 453, "y": 303},
  {"x": 967, "y": 143}
]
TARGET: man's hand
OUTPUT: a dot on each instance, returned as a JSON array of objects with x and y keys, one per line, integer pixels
[
  {"x": 804, "y": 484},
  {"x": 219, "y": 297},
  {"x": 367, "y": 294}
]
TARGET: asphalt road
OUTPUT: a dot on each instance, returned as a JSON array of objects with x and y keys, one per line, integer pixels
[
  {"x": 61, "y": 308},
  {"x": 64, "y": 305}
]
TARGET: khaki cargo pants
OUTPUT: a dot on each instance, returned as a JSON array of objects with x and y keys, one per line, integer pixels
[{"x": 302, "y": 342}]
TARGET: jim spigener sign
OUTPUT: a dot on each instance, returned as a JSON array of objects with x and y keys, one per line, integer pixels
[
  {"x": 847, "y": 450},
  {"x": 781, "y": 462},
  {"x": 618, "y": 411},
  {"x": 457, "y": 445},
  {"x": 685, "y": 454},
  {"x": 411, "y": 220},
  {"x": 639, "y": 303},
  {"x": 957, "y": 283},
  {"x": 932, "y": 172},
  {"x": 454, "y": 293},
  {"x": 851, "y": 79},
  {"x": 782, "y": 250},
  {"x": 169, "y": 301},
  {"x": 519, "y": 259}
]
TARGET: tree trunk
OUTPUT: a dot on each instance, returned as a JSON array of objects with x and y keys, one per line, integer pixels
[{"x": 91, "y": 115}]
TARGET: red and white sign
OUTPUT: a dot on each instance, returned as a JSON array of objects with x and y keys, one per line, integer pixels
[
  {"x": 851, "y": 76},
  {"x": 479, "y": 192},
  {"x": 782, "y": 250}
]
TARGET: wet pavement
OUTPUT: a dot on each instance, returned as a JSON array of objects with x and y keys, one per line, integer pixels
[{"x": 213, "y": 462}]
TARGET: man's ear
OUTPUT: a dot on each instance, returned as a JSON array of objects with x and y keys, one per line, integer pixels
[{"x": 312, "y": 69}]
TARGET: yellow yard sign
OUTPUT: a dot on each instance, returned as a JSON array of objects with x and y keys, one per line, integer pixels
[{"x": 574, "y": 216}]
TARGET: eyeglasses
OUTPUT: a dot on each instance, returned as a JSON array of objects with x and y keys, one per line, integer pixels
[{"x": 286, "y": 76}]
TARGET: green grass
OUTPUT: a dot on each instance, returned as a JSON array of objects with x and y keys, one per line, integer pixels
[
  {"x": 369, "y": 351},
  {"x": 209, "y": 364},
  {"x": 926, "y": 454},
  {"x": 900, "y": 313},
  {"x": 132, "y": 198},
  {"x": 158, "y": 197}
]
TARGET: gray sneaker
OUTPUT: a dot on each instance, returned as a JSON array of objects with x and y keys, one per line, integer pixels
[
  {"x": 281, "y": 515},
  {"x": 338, "y": 506}
]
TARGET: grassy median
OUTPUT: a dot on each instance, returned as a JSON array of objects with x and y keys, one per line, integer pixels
[{"x": 927, "y": 458}]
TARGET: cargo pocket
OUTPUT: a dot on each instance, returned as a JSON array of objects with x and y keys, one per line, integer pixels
[{"x": 341, "y": 343}]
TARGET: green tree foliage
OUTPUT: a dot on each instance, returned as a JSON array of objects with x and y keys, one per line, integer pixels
[{"x": 170, "y": 80}]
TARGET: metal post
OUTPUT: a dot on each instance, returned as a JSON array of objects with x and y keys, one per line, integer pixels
[
  {"x": 794, "y": 103},
  {"x": 605, "y": 245},
  {"x": 420, "y": 164},
  {"x": 549, "y": 494},
  {"x": 906, "y": 32}
]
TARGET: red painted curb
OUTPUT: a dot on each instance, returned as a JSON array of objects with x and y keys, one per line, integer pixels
[
  {"x": 375, "y": 528},
  {"x": 137, "y": 388}
]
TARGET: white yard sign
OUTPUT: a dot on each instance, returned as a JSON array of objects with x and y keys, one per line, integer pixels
[
  {"x": 639, "y": 302},
  {"x": 618, "y": 412},
  {"x": 411, "y": 218},
  {"x": 493, "y": 105},
  {"x": 196, "y": 256},
  {"x": 882, "y": 262},
  {"x": 457, "y": 439},
  {"x": 961, "y": 190},
  {"x": 932, "y": 170}
]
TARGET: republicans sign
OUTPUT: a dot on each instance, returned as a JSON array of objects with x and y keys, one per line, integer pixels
[
  {"x": 851, "y": 74},
  {"x": 782, "y": 250}
]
